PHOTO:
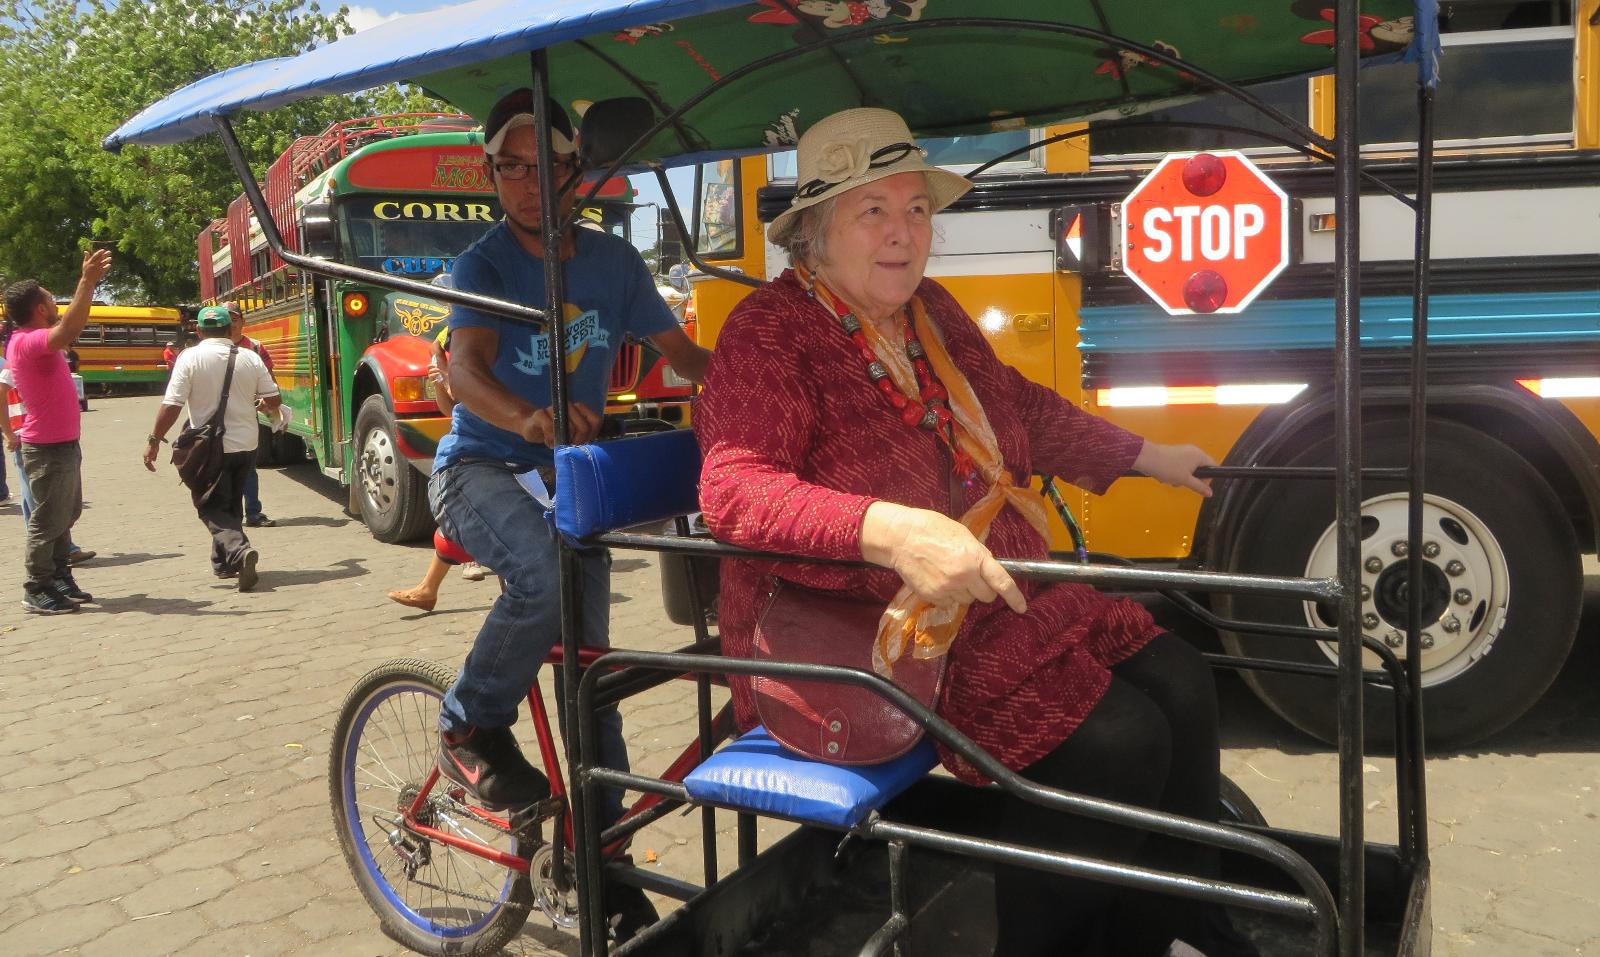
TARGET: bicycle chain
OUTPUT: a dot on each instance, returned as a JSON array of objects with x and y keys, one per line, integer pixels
[{"x": 492, "y": 901}]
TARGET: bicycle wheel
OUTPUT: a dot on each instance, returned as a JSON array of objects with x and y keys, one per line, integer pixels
[{"x": 429, "y": 896}]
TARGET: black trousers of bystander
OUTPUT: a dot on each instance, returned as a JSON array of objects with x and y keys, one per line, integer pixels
[{"x": 223, "y": 513}]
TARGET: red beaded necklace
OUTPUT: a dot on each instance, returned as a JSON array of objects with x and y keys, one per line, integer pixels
[{"x": 932, "y": 412}]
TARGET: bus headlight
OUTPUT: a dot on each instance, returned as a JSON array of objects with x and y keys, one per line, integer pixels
[{"x": 409, "y": 388}]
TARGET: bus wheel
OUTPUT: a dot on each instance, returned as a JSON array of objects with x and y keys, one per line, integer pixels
[
  {"x": 393, "y": 495},
  {"x": 1501, "y": 573}
]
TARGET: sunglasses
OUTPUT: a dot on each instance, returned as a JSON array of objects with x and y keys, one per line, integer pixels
[{"x": 517, "y": 171}]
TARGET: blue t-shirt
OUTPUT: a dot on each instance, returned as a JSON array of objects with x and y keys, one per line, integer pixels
[{"x": 609, "y": 295}]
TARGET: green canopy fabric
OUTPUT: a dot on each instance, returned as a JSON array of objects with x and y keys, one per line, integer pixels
[
  {"x": 945, "y": 76},
  {"x": 930, "y": 60}
]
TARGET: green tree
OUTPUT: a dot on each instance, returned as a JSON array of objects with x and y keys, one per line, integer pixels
[{"x": 74, "y": 70}]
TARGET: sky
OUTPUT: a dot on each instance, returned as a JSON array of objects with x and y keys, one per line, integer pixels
[{"x": 365, "y": 15}]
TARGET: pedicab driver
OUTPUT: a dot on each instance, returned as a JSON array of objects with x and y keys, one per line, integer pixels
[{"x": 502, "y": 427}]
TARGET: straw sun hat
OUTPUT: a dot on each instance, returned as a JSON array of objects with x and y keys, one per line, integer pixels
[{"x": 853, "y": 148}]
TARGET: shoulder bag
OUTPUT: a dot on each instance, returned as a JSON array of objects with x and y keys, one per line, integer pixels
[
  {"x": 197, "y": 451},
  {"x": 839, "y": 724}
]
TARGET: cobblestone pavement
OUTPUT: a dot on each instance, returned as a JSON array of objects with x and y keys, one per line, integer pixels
[{"x": 167, "y": 747}]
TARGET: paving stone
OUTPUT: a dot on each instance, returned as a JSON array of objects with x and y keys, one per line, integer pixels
[
  {"x": 84, "y": 807},
  {"x": 154, "y": 936},
  {"x": 180, "y": 891},
  {"x": 52, "y": 932},
  {"x": 124, "y": 847},
  {"x": 288, "y": 858},
  {"x": 90, "y": 885},
  {"x": 52, "y": 841},
  {"x": 260, "y": 900},
  {"x": 257, "y": 940}
]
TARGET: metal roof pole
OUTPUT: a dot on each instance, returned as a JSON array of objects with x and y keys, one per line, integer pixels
[
  {"x": 1347, "y": 485},
  {"x": 1413, "y": 789}
]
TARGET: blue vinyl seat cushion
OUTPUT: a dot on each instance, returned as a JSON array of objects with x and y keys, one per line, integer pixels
[
  {"x": 756, "y": 773},
  {"x": 604, "y": 486}
]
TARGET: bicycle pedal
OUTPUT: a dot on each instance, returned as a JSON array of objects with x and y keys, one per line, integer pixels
[{"x": 535, "y": 814}]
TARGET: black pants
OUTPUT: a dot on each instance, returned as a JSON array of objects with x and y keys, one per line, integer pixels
[
  {"x": 223, "y": 512},
  {"x": 1152, "y": 741}
]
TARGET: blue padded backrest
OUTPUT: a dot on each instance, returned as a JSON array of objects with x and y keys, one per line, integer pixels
[
  {"x": 610, "y": 485},
  {"x": 756, "y": 773}
]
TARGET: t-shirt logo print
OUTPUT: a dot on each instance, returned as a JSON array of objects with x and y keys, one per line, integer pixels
[{"x": 583, "y": 330}]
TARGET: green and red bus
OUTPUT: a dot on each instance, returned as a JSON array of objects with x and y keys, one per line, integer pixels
[{"x": 403, "y": 194}]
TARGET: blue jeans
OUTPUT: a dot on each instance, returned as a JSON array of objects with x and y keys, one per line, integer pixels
[
  {"x": 252, "y": 493},
  {"x": 26, "y": 494},
  {"x": 481, "y": 507}
]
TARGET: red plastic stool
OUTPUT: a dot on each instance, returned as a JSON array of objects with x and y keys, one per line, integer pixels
[{"x": 449, "y": 552}]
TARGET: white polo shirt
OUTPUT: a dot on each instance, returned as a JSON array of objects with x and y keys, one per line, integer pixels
[{"x": 197, "y": 382}]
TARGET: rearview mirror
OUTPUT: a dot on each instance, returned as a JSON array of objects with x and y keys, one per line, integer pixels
[
  {"x": 609, "y": 127},
  {"x": 321, "y": 238}
]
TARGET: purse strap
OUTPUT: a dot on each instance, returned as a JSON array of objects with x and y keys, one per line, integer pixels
[{"x": 216, "y": 423}]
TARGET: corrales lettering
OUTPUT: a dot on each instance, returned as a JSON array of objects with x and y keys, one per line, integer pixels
[{"x": 440, "y": 211}]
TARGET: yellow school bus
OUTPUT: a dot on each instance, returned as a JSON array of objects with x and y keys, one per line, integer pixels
[
  {"x": 121, "y": 346},
  {"x": 1514, "y": 344}
]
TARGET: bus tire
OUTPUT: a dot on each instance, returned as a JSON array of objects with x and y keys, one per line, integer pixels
[
  {"x": 392, "y": 494},
  {"x": 1504, "y": 576}
]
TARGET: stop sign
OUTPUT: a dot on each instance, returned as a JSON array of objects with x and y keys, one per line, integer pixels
[{"x": 1205, "y": 232}]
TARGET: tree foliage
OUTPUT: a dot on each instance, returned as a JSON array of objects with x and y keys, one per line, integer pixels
[{"x": 71, "y": 71}]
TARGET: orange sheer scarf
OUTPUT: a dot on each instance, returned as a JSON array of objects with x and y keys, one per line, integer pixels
[{"x": 910, "y": 623}]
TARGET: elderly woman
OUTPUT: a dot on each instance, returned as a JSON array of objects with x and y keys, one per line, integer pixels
[{"x": 853, "y": 410}]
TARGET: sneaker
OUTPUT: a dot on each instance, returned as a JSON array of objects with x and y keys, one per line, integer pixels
[
  {"x": 488, "y": 763},
  {"x": 628, "y": 910},
  {"x": 67, "y": 588},
  {"x": 45, "y": 601},
  {"x": 473, "y": 572},
  {"x": 80, "y": 556},
  {"x": 259, "y": 521},
  {"x": 247, "y": 569}
]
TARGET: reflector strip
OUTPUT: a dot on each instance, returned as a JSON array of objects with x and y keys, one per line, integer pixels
[
  {"x": 1575, "y": 388},
  {"x": 1156, "y": 396}
]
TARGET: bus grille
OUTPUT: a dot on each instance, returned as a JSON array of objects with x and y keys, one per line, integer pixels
[{"x": 625, "y": 372}]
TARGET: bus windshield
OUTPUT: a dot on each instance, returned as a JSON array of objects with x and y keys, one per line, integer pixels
[{"x": 413, "y": 236}]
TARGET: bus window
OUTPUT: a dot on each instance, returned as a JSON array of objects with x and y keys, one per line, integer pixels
[
  {"x": 413, "y": 237},
  {"x": 1511, "y": 86},
  {"x": 1143, "y": 143},
  {"x": 716, "y": 209},
  {"x": 962, "y": 154}
]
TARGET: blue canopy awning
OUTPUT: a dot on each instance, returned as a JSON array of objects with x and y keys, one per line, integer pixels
[{"x": 394, "y": 51}]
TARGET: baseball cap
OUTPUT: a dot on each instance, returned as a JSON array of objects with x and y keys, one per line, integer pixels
[
  {"x": 514, "y": 110},
  {"x": 213, "y": 317}
]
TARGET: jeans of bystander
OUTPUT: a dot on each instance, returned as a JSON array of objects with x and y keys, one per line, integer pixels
[
  {"x": 481, "y": 507},
  {"x": 25, "y": 496},
  {"x": 252, "y": 493},
  {"x": 55, "y": 483}
]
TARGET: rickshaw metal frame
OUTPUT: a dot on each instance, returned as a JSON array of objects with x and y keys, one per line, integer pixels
[{"x": 1348, "y": 922}]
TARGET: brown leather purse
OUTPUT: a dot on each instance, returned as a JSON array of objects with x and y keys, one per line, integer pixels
[{"x": 839, "y": 724}]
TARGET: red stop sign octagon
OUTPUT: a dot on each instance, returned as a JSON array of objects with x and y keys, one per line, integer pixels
[{"x": 1205, "y": 232}]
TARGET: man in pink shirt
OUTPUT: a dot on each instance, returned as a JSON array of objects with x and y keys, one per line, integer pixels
[{"x": 36, "y": 342}]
